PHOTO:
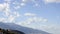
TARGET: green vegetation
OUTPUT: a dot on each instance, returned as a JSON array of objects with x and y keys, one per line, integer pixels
[
  {"x": 3, "y": 31},
  {"x": 6, "y": 31}
]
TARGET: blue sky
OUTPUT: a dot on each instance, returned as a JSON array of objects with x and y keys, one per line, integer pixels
[{"x": 37, "y": 14}]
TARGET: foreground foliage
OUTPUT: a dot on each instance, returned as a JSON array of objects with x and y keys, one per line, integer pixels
[{"x": 3, "y": 31}]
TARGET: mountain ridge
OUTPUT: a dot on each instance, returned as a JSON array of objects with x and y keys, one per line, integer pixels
[{"x": 21, "y": 28}]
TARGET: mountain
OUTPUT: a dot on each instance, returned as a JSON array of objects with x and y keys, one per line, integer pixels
[
  {"x": 26, "y": 30},
  {"x": 7, "y": 31},
  {"x": 4, "y": 26}
]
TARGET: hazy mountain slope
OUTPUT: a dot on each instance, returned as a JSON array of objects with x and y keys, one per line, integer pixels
[
  {"x": 21, "y": 28},
  {"x": 4, "y": 26}
]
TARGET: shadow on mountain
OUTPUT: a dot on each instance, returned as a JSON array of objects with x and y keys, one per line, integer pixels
[{"x": 26, "y": 30}]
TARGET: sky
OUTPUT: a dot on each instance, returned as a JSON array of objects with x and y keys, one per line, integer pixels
[{"x": 37, "y": 14}]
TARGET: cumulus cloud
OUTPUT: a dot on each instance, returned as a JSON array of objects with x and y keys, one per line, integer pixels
[
  {"x": 31, "y": 20},
  {"x": 17, "y": 7},
  {"x": 10, "y": 16},
  {"x": 51, "y": 1},
  {"x": 16, "y": 14},
  {"x": 30, "y": 14},
  {"x": 2, "y": 6},
  {"x": 7, "y": 9},
  {"x": 22, "y": 4}
]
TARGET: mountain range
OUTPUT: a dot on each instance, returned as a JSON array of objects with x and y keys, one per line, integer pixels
[{"x": 26, "y": 30}]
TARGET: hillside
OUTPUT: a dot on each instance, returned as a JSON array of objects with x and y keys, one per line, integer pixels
[
  {"x": 3, "y": 31},
  {"x": 26, "y": 30}
]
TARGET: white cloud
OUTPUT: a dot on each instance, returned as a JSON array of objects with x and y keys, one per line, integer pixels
[
  {"x": 2, "y": 19},
  {"x": 16, "y": 3},
  {"x": 17, "y": 7},
  {"x": 11, "y": 18},
  {"x": 45, "y": 20},
  {"x": 29, "y": 14},
  {"x": 7, "y": 1},
  {"x": 52, "y": 28},
  {"x": 32, "y": 20},
  {"x": 37, "y": 5},
  {"x": 51, "y": 1},
  {"x": 39, "y": 19},
  {"x": 5, "y": 8},
  {"x": 24, "y": 0},
  {"x": 16, "y": 14},
  {"x": 22, "y": 4},
  {"x": 2, "y": 6}
]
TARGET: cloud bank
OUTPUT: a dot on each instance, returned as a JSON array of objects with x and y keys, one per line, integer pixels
[{"x": 51, "y": 1}]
